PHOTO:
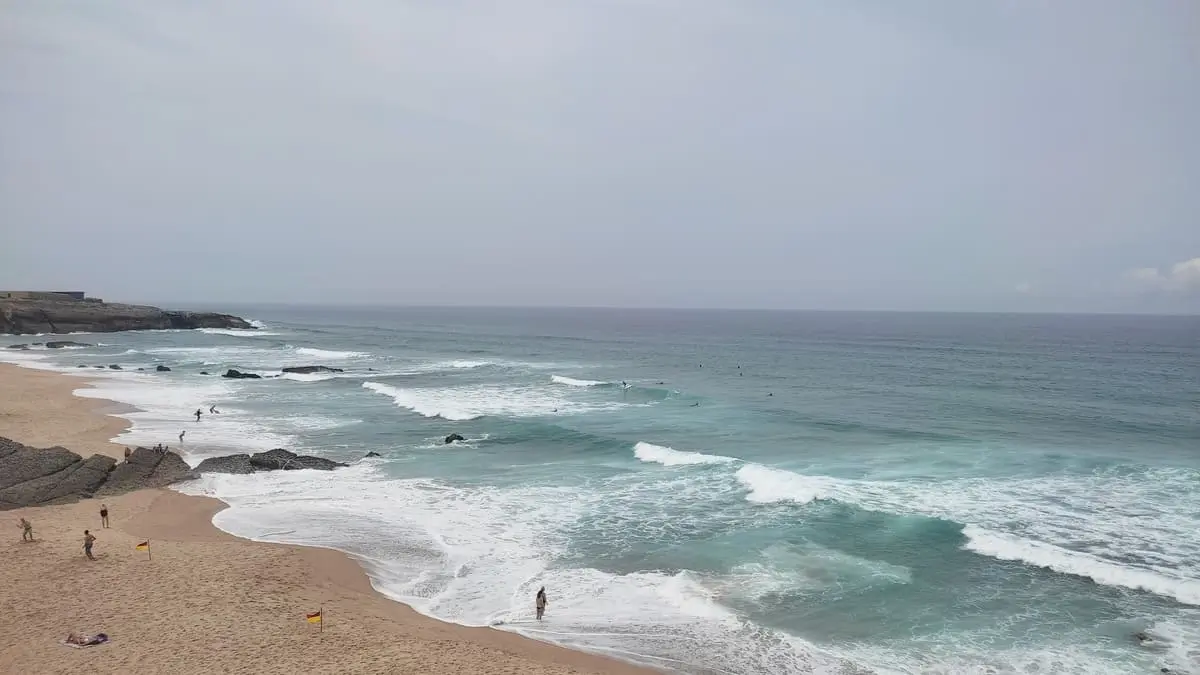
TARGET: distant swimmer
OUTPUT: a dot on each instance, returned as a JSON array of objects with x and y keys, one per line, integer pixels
[
  {"x": 198, "y": 413},
  {"x": 697, "y": 403},
  {"x": 770, "y": 394},
  {"x": 181, "y": 435},
  {"x": 213, "y": 410},
  {"x": 539, "y": 602},
  {"x": 556, "y": 410}
]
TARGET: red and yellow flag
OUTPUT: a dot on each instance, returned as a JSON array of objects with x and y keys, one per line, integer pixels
[
  {"x": 315, "y": 617},
  {"x": 144, "y": 546}
]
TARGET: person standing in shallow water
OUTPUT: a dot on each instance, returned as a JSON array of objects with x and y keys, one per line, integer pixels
[
  {"x": 181, "y": 435},
  {"x": 539, "y": 602},
  {"x": 104, "y": 515},
  {"x": 88, "y": 540},
  {"x": 198, "y": 413}
]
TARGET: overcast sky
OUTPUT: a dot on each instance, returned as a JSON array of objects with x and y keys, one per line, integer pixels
[{"x": 847, "y": 154}]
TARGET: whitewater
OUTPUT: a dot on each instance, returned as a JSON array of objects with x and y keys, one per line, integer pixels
[{"x": 719, "y": 492}]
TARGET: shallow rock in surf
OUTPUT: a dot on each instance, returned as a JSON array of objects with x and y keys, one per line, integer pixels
[
  {"x": 162, "y": 369},
  {"x": 59, "y": 344},
  {"x": 373, "y": 454},
  {"x": 18, "y": 347},
  {"x": 114, "y": 366},
  {"x": 239, "y": 375},
  {"x": 284, "y": 459},
  {"x": 226, "y": 464},
  {"x": 454, "y": 437},
  {"x": 307, "y": 370},
  {"x": 204, "y": 372}
]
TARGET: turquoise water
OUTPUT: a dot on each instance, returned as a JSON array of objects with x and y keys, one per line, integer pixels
[{"x": 770, "y": 493}]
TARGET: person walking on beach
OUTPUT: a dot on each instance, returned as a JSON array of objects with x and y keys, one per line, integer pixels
[
  {"x": 26, "y": 530},
  {"x": 88, "y": 540},
  {"x": 104, "y": 515},
  {"x": 198, "y": 412},
  {"x": 539, "y": 602}
]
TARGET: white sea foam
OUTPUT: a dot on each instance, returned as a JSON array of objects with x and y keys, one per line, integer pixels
[
  {"x": 237, "y": 332},
  {"x": 466, "y": 555},
  {"x": 768, "y": 485},
  {"x": 572, "y": 382},
  {"x": 256, "y": 323},
  {"x": 474, "y": 401},
  {"x": 1009, "y": 547},
  {"x": 329, "y": 353},
  {"x": 649, "y": 452}
]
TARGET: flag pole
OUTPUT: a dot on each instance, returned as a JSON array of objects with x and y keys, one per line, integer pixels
[
  {"x": 321, "y": 609},
  {"x": 149, "y": 554}
]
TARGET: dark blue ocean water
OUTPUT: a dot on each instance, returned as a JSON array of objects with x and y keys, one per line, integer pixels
[{"x": 766, "y": 493}]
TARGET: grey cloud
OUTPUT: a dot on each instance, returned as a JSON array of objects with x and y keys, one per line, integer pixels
[{"x": 861, "y": 154}]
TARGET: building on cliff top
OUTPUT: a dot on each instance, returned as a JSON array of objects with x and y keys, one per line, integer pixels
[{"x": 47, "y": 295}]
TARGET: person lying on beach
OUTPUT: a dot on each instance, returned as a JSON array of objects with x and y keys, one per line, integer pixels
[
  {"x": 88, "y": 540},
  {"x": 26, "y": 530},
  {"x": 86, "y": 640},
  {"x": 539, "y": 602}
]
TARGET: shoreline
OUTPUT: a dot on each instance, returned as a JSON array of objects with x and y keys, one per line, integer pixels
[{"x": 208, "y": 599}]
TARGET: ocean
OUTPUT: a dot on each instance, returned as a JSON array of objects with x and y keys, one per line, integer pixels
[{"x": 720, "y": 491}]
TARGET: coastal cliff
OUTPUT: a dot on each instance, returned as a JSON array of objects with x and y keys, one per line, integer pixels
[{"x": 24, "y": 314}]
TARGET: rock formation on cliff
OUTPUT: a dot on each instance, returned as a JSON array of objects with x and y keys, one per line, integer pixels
[
  {"x": 48, "y": 314},
  {"x": 36, "y": 476}
]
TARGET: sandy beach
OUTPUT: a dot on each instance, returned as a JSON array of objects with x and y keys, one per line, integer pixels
[{"x": 203, "y": 600}]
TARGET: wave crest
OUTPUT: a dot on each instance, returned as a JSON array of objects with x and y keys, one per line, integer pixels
[
  {"x": 1009, "y": 547},
  {"x": 658, "y": 454},
  {"x": 572, "y": 382},
  {"x": 329, "y": 353},
  {"x": 770, "y": 486}
]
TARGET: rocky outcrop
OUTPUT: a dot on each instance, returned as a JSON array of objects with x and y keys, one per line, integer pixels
[
  {"x": 305, "y": 370},
  {"x": 162, "y": 369},
  {"x": 35, "y": 476},
  {"x": 226, "y": 464},
  {"x": 48, "y": 314},
  {"x": 454, "y": 437},
  {"x": 60, "y": 344},
  {"x": 239, "y": 375},
  {"x": 114, "y": 366},
  {"x": 146, "y": 468},
  {"x": 283, "y": 459},
  {"x": 22, "y": 347},
  {"x": 373, "y": 454}
]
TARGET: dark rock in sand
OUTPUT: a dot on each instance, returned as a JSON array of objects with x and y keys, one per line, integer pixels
[
  {"x": 146, "y": 468},
  {"x": 18, "y": 347},
  {"x": 81, "y": 366},
  {"x": 141, "y": 368},
  {"x": 97, "y": 366},
  {"x": 454, "y": 437},
  {"x": 59, "y": 344},
  {"x": 373, "y": 454},
  {"x": 239, "y": 375},
  {"x": 114, "y": 367},
  {"x": 227, "y": 464},
  {"x": 50, "y": 313},
  {"x": 162, "y": 369},
  {"x": 305, "y": 370},
  {"x": 283, "y": 459}
]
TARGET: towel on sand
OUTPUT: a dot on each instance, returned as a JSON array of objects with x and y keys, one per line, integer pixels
[{"x": 82, "y": 641}]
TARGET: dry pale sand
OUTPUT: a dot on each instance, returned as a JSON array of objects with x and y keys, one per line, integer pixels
[{"x": 206, "y": 601}]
